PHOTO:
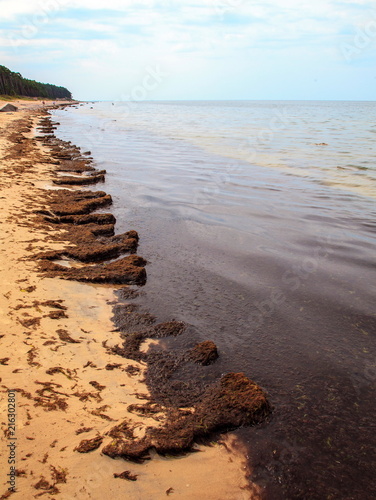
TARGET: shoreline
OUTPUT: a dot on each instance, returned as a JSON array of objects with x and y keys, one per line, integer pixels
[{"x": 62, "y": 327}]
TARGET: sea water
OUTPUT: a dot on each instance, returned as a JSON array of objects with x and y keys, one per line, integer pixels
[{"x": 257, "y": 220}]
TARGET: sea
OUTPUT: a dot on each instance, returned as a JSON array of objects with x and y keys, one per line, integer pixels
[{"x": 258, "y": 222}]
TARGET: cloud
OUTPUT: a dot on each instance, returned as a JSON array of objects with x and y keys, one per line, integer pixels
[{"x": 199, "y": 36}]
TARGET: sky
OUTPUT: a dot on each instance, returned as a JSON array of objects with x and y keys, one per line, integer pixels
[{"x": 194, "y": 49}]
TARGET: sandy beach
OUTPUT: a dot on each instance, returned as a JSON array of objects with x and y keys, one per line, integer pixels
[{"x": 57, "y": 358}]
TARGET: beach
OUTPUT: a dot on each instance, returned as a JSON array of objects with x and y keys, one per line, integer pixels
[
  {"x": 187, "y": 250},
  {"x": 57, "y": 363},
  {"x": 149, "y": 280}
]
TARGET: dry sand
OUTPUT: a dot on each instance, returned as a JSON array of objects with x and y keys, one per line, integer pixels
[{"x": 52, "y": 407}]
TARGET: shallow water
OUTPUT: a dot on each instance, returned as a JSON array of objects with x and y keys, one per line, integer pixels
[{"x": 263, "y": 240}]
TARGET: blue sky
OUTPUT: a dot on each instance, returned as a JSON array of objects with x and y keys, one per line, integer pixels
[{"x": 194, "y": 49}]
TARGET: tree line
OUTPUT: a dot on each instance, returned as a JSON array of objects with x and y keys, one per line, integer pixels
[{"x": 13, "y": 84}]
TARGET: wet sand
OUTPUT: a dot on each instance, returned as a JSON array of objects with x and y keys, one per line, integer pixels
[{"x": 57, "y": 354}]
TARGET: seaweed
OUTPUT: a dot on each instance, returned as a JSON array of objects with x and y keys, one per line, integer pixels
[
  {"x": 65, "y": 337},
  {"x": 126, "y": 475},
  {"x": 233, "y": 402},
  {"x": 126, "y": 270},
  {"x": 204, "y": 353},
  {"x": 87, "y": 445}
]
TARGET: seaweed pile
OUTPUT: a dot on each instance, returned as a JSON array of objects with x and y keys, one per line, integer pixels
[
  {"x": 90, "y": 235},
  {"x": 188, "y": 400}
]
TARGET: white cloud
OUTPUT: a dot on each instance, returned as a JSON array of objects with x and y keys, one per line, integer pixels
[
  {"x": 121, "y": 37},
  {"x": 31, "y": 9}
]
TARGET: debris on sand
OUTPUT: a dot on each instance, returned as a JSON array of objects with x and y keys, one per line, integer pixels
[
  {"x": 8, "y": 108},
  {"x": 88, "y": 445},
  {"x": 233, "y": 402},
  {"x": 126, "y": 475}
]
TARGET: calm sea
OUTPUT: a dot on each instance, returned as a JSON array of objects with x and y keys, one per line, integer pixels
[{"x": 258, "y": 223}]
